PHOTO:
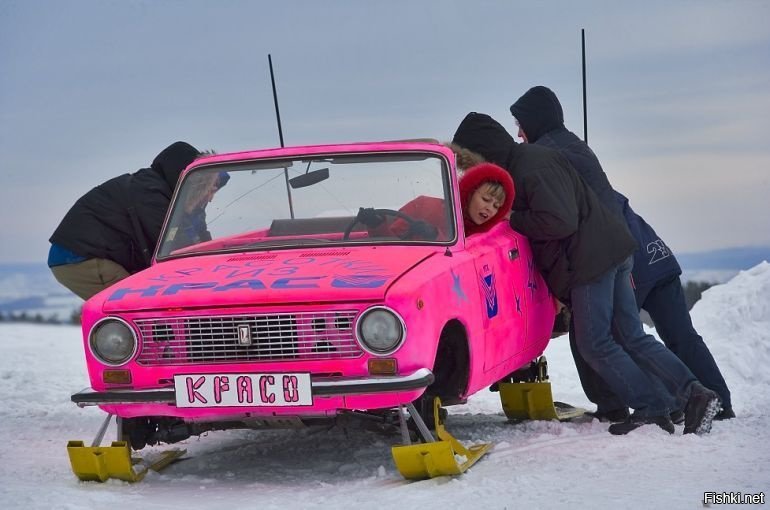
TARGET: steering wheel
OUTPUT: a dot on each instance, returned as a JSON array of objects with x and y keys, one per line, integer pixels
[{"x": 385, "y": 212}]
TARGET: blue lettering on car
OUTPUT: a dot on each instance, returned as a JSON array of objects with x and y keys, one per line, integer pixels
[
  {"x": 241, "y": 284},
  {"x": 146, "y": 292},
  {"x": 173, "y": 289},
  {"x": 294, "y": 282}
]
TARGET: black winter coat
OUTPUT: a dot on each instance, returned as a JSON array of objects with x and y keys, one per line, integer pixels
[
  {"x": 540, "y": 116},
  {"x": 585, "y": 162},
  {"x": 653, "y": 260},
  {"x": 121, "y": 219},
  {"x": 574, "y": 238}
]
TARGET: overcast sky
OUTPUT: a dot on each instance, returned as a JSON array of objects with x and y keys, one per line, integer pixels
[{"x": 678, "y": 93}]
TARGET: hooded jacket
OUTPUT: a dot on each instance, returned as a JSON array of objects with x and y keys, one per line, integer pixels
[
  {"x": 574, "y": 238},
  {"x": 538, "y": 111},
  {"x": 540, "y": 116},
  {"x": 121, "y": 219}
]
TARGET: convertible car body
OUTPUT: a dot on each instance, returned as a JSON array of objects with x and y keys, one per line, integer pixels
[{"x": 270, "y": 303}]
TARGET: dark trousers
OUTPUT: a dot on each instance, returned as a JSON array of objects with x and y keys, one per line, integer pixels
[
  {"x": 668, "y": 309},
  {"x": 609, "y": 337},
  {"x": 666, "y": 305}
]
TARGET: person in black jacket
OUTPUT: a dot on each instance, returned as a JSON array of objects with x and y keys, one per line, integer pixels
[
  {"x": 584, "y": 252},
  {"x": 112, "y": 230},
  {"x": 656, "y": 271}
]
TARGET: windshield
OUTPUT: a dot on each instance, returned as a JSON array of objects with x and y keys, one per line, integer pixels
[{"x": 325, "y": 200}]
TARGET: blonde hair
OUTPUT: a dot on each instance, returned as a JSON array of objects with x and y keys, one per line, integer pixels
[{"x": 495, "y": 189}]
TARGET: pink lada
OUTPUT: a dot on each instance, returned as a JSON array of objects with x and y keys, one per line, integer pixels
[{"x": 270, "y": 301}]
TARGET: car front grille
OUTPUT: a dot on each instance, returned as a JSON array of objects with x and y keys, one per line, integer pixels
[{"x": 246, "y": 338}]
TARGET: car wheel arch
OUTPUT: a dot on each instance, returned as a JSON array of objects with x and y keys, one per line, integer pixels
[{"x": 451, "y": 366}]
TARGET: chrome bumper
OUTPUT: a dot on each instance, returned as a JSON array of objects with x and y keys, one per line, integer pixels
[{"x": 422, "y": 378}]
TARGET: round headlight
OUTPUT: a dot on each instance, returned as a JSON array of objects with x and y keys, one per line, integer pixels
[
  {"x": 380, "y": 330},
  {"x": 113, "y": 341}
]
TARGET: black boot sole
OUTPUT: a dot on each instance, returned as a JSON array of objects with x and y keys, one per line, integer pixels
[
  {"x": 704, "y": 427},
  {"x": 623, "y": 428}
]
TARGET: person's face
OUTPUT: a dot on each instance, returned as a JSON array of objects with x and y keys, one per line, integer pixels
[
  {"x": 521, "y": 134},
  {"x": 483, "y": 206},
  {"x": 204, "y": 195}
]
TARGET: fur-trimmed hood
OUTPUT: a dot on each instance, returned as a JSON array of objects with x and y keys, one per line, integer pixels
[
  {"x": 465, "y": 158},
  {"x": 472, "y": 179}
]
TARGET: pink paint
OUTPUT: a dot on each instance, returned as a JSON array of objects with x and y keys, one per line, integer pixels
[{"x": 483, "y": 288}]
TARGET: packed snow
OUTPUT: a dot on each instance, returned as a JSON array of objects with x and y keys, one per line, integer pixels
[{"x": 532, "y": 464}]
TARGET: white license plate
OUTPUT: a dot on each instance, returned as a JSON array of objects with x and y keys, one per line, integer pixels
[{"x": 243, "y": 390}]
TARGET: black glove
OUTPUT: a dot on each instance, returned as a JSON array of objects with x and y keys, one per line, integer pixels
[
  {"x": 422, "y": 230},
  {"x": 369, "y": 217}
]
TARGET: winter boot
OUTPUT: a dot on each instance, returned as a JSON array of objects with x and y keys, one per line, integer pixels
[
  {"x": 726, "y": 413},
  {"x": 700, "y": 410},
  {"x": 612, "y": 416},
  {"x": 634, "y": 422}
]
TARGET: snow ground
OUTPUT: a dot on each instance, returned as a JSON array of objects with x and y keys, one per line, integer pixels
[{"x": 533, "y": 465}]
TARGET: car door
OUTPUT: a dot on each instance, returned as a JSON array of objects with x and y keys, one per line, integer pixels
[
  {"x": 540, "y": 304},
  {"x": 501, "y": 281}
]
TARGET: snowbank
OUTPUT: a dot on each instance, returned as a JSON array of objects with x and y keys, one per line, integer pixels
[{"x": 734, "y": 320}]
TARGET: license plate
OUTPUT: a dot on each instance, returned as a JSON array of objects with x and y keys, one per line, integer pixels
[{"x": 243, "y": 390}]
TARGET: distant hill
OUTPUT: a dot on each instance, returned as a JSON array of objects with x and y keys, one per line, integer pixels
[
  {"x": 32, "y": 289},
  {"x": 727, "y": 258},
  {"x": 719, "y": 266}
]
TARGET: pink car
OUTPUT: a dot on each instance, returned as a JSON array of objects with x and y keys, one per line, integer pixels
[{"x": 271, "y": 301}]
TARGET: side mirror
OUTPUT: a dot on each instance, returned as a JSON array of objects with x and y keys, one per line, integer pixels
[{"x": 309, "y": 178}]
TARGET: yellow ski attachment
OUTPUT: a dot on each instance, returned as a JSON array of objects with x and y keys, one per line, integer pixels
[
  {"x": 534, "y": 401},
  {"x": 445, "y": 457},
  {"x": 100, "y": 463}
]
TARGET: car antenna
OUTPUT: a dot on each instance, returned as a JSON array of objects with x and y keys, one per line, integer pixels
[
  {"x": 585, "y": 112},
  {"x": 280, "y": 133}
]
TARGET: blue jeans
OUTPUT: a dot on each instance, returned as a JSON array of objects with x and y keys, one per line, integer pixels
[
  {"x": 668, "y": 309},
  {"x": 641, "y": 371},
  {"x": 594, "y": 387}
]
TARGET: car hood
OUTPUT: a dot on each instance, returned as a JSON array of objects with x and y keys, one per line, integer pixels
[{"x": 265, "y": 278}]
